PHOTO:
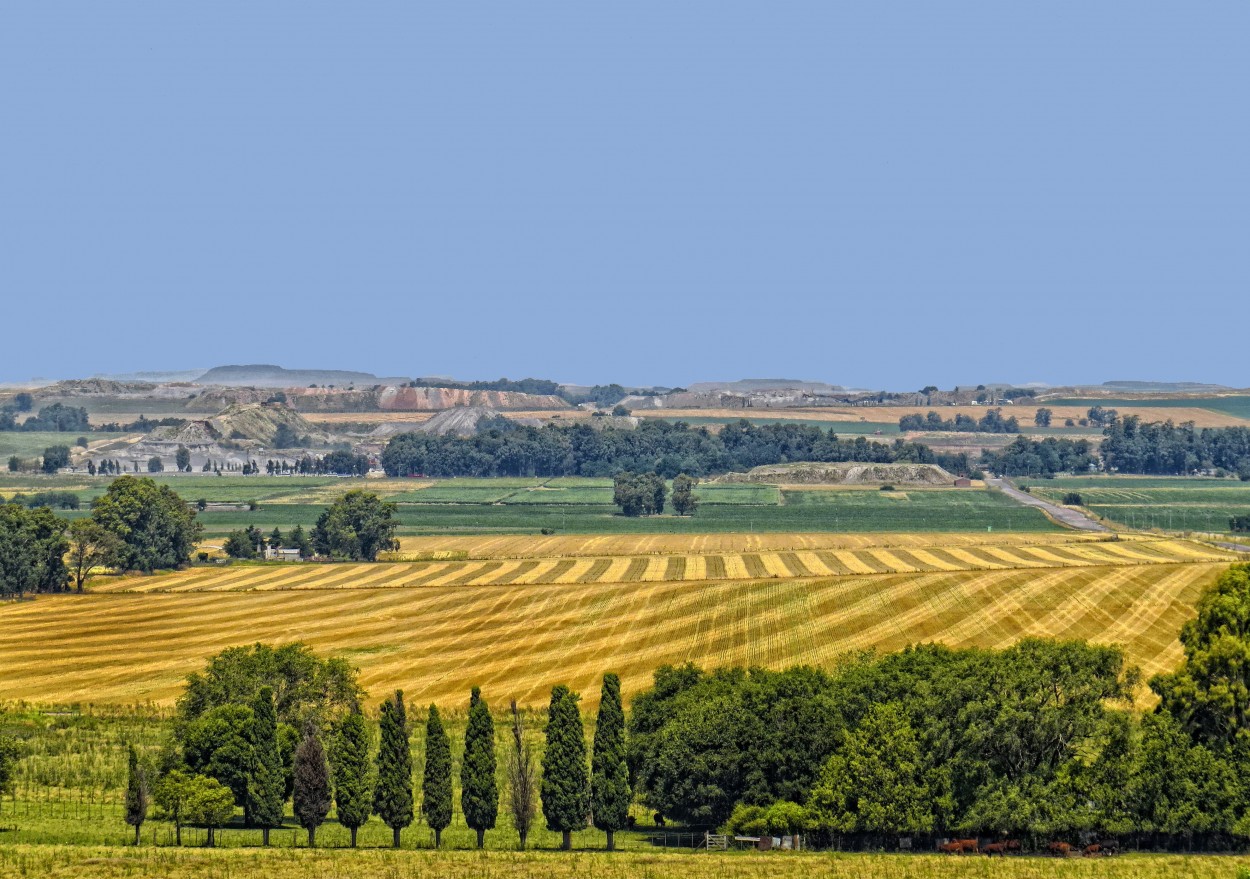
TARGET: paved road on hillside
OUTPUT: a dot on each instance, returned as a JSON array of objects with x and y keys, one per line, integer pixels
[{"x": 1068, "y": 516}]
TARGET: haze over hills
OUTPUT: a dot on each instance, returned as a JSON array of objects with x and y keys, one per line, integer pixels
[{"x": 268, "y": 375}]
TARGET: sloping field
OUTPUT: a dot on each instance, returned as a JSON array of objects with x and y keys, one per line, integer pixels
[
  {"x": 534, "y": 546},
  {"x": 516, "y": 641},
  {"x": 694, "y": 567}
]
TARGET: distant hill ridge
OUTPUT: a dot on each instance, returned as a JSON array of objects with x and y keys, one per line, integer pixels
[{"x": 271, "y": 376}]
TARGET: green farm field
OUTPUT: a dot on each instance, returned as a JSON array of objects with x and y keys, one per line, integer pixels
[
  {"x": 1160, "y": 502},
  {"x": 573, "y": 505}
]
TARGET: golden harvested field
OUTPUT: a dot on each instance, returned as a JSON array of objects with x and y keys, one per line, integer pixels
[
  {"x": 517, "y": 626},
  {"x": 534, "y": 546},
  {"x": 668, "y": 568},
  {"x": 287, "y": 863}
]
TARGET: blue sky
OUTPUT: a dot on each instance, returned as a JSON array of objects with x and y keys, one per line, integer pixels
[{"x": 873, "y": 194}]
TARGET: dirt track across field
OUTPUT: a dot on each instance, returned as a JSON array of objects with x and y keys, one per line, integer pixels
[{"x": 1064, "y": 515}]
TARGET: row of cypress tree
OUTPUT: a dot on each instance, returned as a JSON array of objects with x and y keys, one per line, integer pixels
[{"x": 572, "y": 790}]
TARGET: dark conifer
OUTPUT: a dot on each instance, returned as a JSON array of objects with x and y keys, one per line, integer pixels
[
  {"x": 392, "y": 798},
  {"x": 565, "y": 787},
  {"x": 479, "y": 789},
  {"x": 609, "y": 778},
  {"x": 136, "y": 792},
  {"x": 436, "y": 781},
  {"x": 312, "y": 784},
  {"x": 353, "y": 799},
  {"x": 266, "y": 787}
]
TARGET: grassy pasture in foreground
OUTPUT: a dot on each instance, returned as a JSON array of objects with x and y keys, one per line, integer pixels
[{"x": 368, "y": 864}]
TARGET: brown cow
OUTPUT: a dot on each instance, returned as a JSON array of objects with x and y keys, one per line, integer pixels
[
  {"x": 1059, "y": 849},
  {"x": 1013, "y": 845},
  {"x": 951, "y": 848},
  {"x": 1092, "y": 850},
  {"x": 995, "y": 848}
]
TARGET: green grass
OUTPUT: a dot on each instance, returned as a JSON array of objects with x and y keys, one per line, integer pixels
[
  {"x": 571, "y": 506},
  {"x": 1169, "y": 503},
  {"x": 31, "y": 444}
]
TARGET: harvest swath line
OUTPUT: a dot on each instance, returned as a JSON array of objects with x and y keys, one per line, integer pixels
[{"x": 437, "y": 641}]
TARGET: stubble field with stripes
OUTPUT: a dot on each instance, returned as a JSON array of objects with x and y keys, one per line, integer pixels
[{"x": 517, "y": 614}]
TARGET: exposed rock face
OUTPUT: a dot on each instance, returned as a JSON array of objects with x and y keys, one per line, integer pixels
[
  {"x": 403, "y": 399},
  {"x": 848, "y": 473}
]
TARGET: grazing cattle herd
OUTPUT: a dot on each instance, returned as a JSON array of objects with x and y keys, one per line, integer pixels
[{"x": 1006, "y": 847}]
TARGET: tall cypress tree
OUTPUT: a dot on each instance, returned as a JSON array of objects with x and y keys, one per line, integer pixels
[
  {"x": 266, "y": 786},
  {"x": 609, "y": 776},
  {"x": 392, "y": 798},
  {"x": 353, "y": 799},
  {"x": 312, "y": 784},
  {"x": 479, "y": 789},
  {"x": 565, "y": 787},
  {"x": 136, "y": 792},
  {"x": 436, "y": 781}
]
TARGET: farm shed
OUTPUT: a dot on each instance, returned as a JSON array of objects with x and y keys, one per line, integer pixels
[{"x": 963, "y": 482}]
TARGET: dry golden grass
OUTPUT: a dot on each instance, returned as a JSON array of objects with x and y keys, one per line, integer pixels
[{"x": 518, "y": 625}]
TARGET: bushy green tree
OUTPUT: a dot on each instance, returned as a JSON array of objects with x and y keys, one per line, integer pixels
[
  {"x": 90, "y": 547},
  {"x": 218, "y": 744},
  {"x": 392, "y": 797},
  {"x": 353, "y": 790},
  {"x": 479, "y": 787},
  {"x": 305, "y": 686},
  {"x": 136, "y": 791},
  {"x": 876, "y": 781},
  {"x": 171, "y": 795},
  {"x": 357, "y": 526},
  {"x": 312, "y": 784},
  {"x": 1209, "y": 695},
  {"x": 55, "y": 458},
  {"x": 609, "y": 779},
  {"x": 436, "y": 794},
  {"x": 157, "y": 528},
  {"x": 565, "y": 786},
  {"x": 266, "y": 788},
  {"x": 9, "y": 754},
  {"x": 684, "y": 501},
  {"x": 208, "y": 803},
  {"x": 32, "y": 551}
]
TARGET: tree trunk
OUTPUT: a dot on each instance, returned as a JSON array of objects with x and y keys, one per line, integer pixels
[
  {"x": 264, "y": 836},
  {"x": 354, "y": 829},
  {"x": 312, "y": 837},
  {"x": 137, "y": 826},
  {"x": 177, "y": 833},
  {"x": 611, "y": 840},
  {"x": 438, "y": 836},
  {"x": 523, "y": 835},
  {"x": 395, "y": 837},
  {"x": 481, "y": 837},
  {"x": 567, "y": 843},
  {"x": 212, "y": 837}
]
